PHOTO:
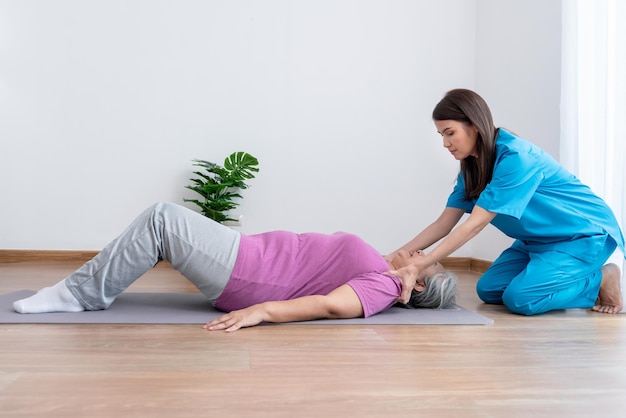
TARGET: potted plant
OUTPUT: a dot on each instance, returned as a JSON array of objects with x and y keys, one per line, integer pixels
[{"x": 219, "y": 186}]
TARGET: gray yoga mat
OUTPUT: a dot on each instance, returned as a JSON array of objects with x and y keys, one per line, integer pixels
[{"x": 193, "y": 308}]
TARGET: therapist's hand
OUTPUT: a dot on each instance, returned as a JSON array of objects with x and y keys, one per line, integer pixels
[{"x": 408, "y": 277}]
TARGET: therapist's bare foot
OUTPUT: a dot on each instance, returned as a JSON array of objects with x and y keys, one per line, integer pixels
[{"x": 610, "y": 296}]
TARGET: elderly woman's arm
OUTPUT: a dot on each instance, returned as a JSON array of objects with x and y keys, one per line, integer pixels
[{"x": 342, "y": 302}]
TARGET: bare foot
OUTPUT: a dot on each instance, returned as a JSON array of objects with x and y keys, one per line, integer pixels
[{"x": 610, "y": 296}]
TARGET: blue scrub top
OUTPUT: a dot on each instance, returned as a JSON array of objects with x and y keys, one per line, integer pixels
[{"x": 540, "y": 203}]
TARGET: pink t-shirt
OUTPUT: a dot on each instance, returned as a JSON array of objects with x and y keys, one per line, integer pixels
[{"x": 283, "y": 265}]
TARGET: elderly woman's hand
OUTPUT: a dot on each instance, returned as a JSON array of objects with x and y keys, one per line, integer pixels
[{"x": 232, "y": 321}]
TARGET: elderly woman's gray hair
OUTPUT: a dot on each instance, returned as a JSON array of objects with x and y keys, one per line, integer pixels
[{"x": 439, "y": 292}]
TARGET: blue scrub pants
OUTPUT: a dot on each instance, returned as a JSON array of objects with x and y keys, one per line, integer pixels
[
  {"x": 530, "y": 282},
  {"x": 202, "y": 250}
]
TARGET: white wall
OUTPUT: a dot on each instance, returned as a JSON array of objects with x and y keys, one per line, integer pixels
[
  {"x": 104, "y": 103},
  {"x": 518, "y": 64}
]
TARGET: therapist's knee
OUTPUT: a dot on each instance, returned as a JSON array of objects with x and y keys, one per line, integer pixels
[
  {"x": 487, "y": 293},
  {"x": 519, "y": 304}
]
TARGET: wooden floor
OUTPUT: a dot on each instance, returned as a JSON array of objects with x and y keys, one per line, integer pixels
[{"x": 563, "y": 364}]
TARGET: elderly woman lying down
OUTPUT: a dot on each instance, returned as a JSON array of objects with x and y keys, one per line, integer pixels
[{"x": 273, "y": 277}]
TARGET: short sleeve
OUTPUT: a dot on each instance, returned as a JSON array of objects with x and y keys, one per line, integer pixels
[
  {"x": 376, "y": 291},
  {"x": 516, "y": 177},
  {"x": 456, "y": 198}
]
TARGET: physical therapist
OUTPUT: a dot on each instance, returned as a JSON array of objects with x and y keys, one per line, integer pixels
[{"x": 564, "y": 234}]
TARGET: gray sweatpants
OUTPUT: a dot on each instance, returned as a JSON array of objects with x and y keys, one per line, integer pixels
[{"x": 202, "y": 250}]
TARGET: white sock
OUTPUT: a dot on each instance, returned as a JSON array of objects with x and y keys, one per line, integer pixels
[{"x": 57, "y": 298}]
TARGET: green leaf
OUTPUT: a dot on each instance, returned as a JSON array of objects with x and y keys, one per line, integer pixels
[
  {"x": 219, "y": 186},
  {"x": 241, "y": 165}
]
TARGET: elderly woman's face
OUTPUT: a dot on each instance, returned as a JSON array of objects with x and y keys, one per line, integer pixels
[{"x": 404, "y": 258}]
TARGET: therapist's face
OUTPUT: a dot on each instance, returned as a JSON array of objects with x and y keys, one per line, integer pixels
[{"x": 458, "y": 137}]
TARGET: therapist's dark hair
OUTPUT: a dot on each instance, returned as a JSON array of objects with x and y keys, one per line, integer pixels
[{"x": 466, "y": 106}]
